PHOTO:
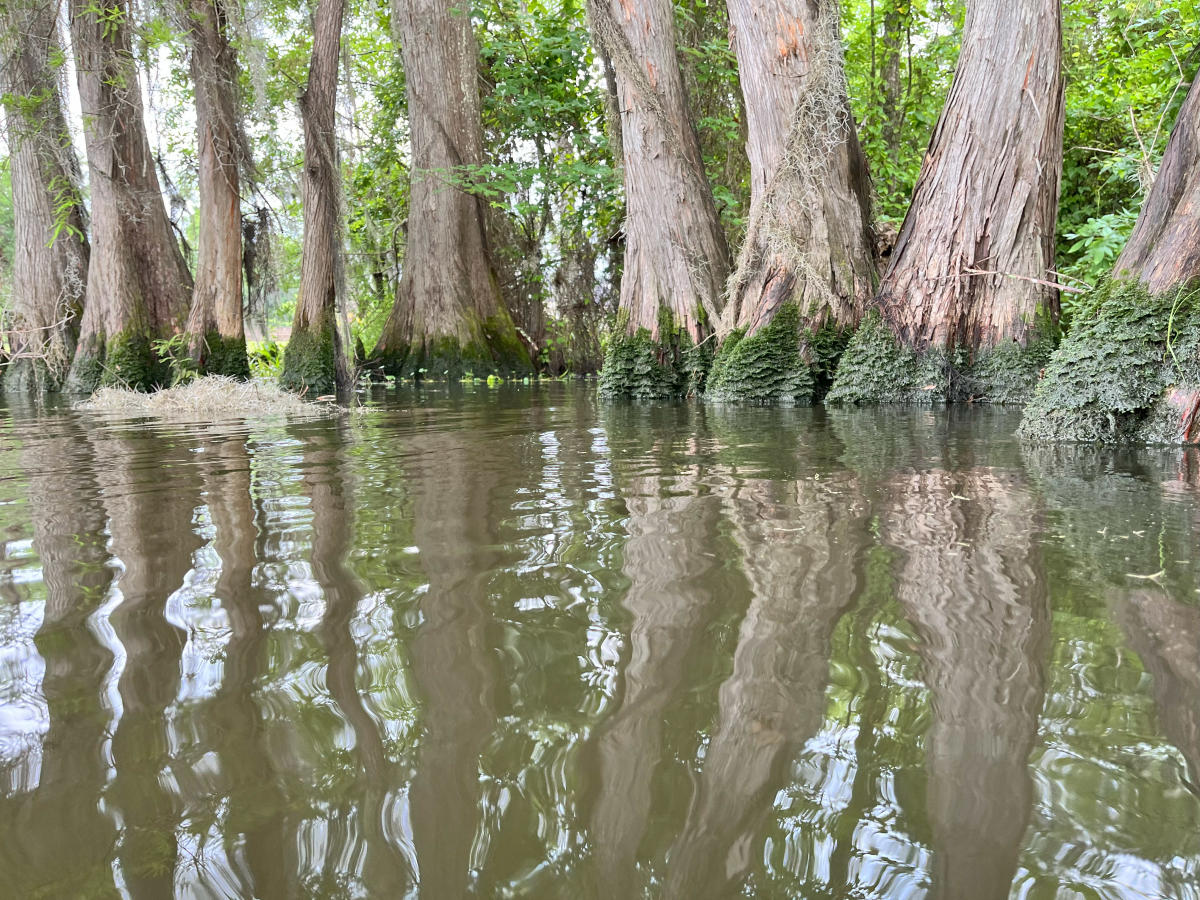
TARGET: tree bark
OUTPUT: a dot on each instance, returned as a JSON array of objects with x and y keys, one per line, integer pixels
[
  {"x": 982, "y": 221},
  {"x": 676, "y": 259},
  {"x": 216, "y": 336},
  {"x": 49, "y": 222},
  {"x": 138, "y": 283},
  {"x": 809, "y": 240},
  {"x": 1164, "y": 249},
  {"x": 449, "y": 316},
  {"x": 893, "y": 105},
  {"x": 318, "y": 359}
]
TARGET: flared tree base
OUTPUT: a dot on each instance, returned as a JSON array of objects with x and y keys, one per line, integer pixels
[
  {"x": 125, "y": 360},
  {"x": 1128, "y": 373}
]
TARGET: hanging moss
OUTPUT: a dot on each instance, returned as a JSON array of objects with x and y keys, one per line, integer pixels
[
  {"x": 766, "y": 367},
  {"x": 1116, "y": 379},
  {"x": 308, "y": 361},
  {"x": 876, "y": 368}
]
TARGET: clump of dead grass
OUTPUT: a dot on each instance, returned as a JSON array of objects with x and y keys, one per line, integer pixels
[{"x": 213, "y": 397}]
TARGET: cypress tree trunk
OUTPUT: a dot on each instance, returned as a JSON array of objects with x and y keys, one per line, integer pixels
[
  {"x": 1164, "y": 249},
  {"x": 676, "y": 260},
  {"x": 216, "y": 337},
  {"x": 1130, "y": 369},
  {"x": 449, "y": 316},
  {"x": 977, "y": 244},
  {"x": 50, "y": 226},
  {"x": 809, "y": 240},
  {"x": 317, "y": 358},
  {"x": 138, "y": 283}
]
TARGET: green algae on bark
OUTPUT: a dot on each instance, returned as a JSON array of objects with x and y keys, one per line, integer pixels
[
  {"x": 225, "y": 356},
  {"x": 765, "y": 367},
  {"x": 1129, "y": 372},
  {"x": 877, "y": 368},
  {"x": 309, "y": 366},
  {"x": 639, "y": 367},
  {"x": 126, "y": 360},
  {"x": 494, "y": 349}
]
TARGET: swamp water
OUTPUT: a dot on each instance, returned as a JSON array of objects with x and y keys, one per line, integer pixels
[{"x": 520, "y": 643}]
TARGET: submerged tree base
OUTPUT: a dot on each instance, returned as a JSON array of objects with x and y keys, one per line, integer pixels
[
  {"x": 780, "y": 364},
  {"x": 639, "y": 367},
  {"x": 309, "y": 366},
  {"x": 1128, "y": 373},
  {"x": 498, "y": 351},
  {"x": 32, "y": 375},
  {"x": 877, "y": 368},
  {"x": 125, "y": 360},
  {"x": 225, "y": 356}
]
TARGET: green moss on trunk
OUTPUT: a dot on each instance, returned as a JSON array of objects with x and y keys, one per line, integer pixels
[
  {"x": 308, "y": 362},
  {"x": 497, "y": 351},
  {"x": 765, "y": 367},
  {"x": 30, "y": 376},
  {"x": 876, "y": 368},
  {"x": 226, "y": 356},
  {"x": 638, "y": 367},
  {"x": 1125, "y": 373},
  {"x": 126, "y": 360}
]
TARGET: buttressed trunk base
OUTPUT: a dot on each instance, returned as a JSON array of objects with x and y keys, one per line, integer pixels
[
  {"x": 968, "y": 297},
  {"x": 807, "y": 268},
  {"x": 1129, "y": 372},
  {"x": 676, "y": 260}
]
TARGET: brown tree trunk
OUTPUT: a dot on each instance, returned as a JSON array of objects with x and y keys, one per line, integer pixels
[
  {"x": 50, "y": 226},
  {"x": 979, "y": 235},
  {"x": 676, "y": 259},
  {"x": 893, "y": 105},
  {"x": 138, "y": 283},
  {"x": 1164, "y": 249},
  {"x": 809, "y": 240},
  {"x": 449, "y": 316},
  {"x": 318, "y": 359},
  {"x": 216, "y": 337}
]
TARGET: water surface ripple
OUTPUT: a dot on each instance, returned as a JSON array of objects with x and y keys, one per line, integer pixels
[{"x": 518, "y": 643}]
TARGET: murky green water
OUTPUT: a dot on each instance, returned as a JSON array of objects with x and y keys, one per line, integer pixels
[{"x": 519, "y": 643}]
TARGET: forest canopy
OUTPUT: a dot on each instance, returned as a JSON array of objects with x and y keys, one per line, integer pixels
[{"x": 423, "y": 188}]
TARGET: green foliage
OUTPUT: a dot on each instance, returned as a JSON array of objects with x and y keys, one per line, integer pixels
[
  {"x": 265, "y": 359},
  {"x": 711, "y": 77},
  {"x": 1108, "y": 376},
  {"x": 766, "y": 367},
  {"x": 1127, "y": 65},
  {"x": 925, "y": 35},
  {"x": 173, "y": 351}
]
